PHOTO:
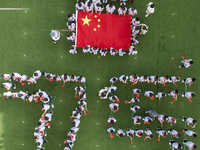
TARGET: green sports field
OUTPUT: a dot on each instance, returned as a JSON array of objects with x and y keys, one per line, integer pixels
[{"x": 26, "y": 46}]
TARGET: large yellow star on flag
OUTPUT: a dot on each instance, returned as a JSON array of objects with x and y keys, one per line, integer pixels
[{"x": 86, "y": 20}]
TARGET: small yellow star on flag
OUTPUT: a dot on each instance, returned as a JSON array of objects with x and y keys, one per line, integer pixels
[
  {"x": 95, "y": 29},
  {"x": 86, "y": 20},
  {"x": 95, "y": 16},
  {"x": 98, "y": 26},
  {"x": 99, "y": 20}
]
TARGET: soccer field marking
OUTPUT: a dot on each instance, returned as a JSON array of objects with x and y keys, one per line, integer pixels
[{"x": 15, "y": 9}]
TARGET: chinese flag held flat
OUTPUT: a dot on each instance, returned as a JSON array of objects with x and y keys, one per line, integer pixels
[{"x": 103, "y": 30}]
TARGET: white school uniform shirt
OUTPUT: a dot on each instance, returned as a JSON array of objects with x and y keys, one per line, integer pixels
[
  {"x": 32, "y": 81},
  {"x": 78, "y": 114},
  {"x": 7, "y": 94},
  {"x": 80, "y": 8},
  {"x": 130, "y": 12},
  {"x": 44, "y": 94},
  {"x": 84, "y": 96},
  {"x": 190, "y": 133},
  {"x": 188, "y": 94},
  {"x": 160, "y": 117},
  {"x": 173, "y": 78},
  {"x": 17, "y": 75},
  {"x": 134, "y": 22},
  {"x": 152, "y": 78},
  {"x": 56, "y": 35},
  {"x": 7, "y": 77},
  {"x": 94, "y": 51},
  {"x": 135, "y": 90},
  {"x": 72, "y": 38},
  {"x": 89, "y": 9},
  {"x": 132, "y": 78},
  {"x": 113, "y": 104},
  {"x": 173, "y": 133},
  {"x": 188, "y": 80},
  {"x": 110, "y": 119},
  {"x": 72, "y": 18},
  {"x": 130, "y": 131},
  {"x": 41, "y": 128},
  {"x": 137, "y": 132},
  {"x": 40, "y": 141},
  {"x": 175, "y": 145},
  {"x": 131, "y": 51},
  {"x": 73, "y": 51},
  {"x": 172, "y": 93},
  {"x": 103, "y": 53},
  {"x": 141, "y": 79},
  {"x": 112, "y": 87},
  {"x": 189, "y": 144},
  {"x": 39, "y": 74},
  {"x": 110, "y": 97},
  {"x": 39, "y": 135},
  {"x": 121, "y": 77},
  {"x": 58, "y": 78},
  {"x": 67, "y": 148},
  {"x": 133, "y": 108},
  {"x": 46, "y": 107},
  {"x": 161, "y": 132},
  {"x": 49, "y": 115},
  {"x": 82, "y": 79},
  {"x": 111, "y": 128},
  {"x": 148, "y": 93},
  {"x": 24, "y": 94},
  {"x": 134, "y": 31},
  {"x": 23, "y": 78},
  {"x": 111, "y": 80},
  {"x": 169, "y": 119},
  {"x": 189, "y": 120},
  {"x": 110, "y": 9},
  {"x": 160, "y": 94},
  {"x": 121, "y": 53},
  {"x": 121, "y": 12},
  {"x": 75, "y": 129},
  {"x": 135, "y": 41},
  {"x": 77, "y": 122},
  {"x": 187, "y": 63},
  {"x": 8, "y": 85},
  {"x": 84, "y": 102},
  {"x": 149, "y": 9},
  {"x": 98, "y": 8},
  {"x": 31, "y": 98},
  {"x": 86, "y": 50},
  {"x": 147, "y": 118},
  {"x": 72, "y": 26},
  {"x": 16, "y": 95},
  {"x": 81, "y": 88},
  {"x": 148, "y": 132},
  {"x": 113, "y": 52},
  {"x": 135, "y": 118},
  {"x": 68, "y": 78},
  {"x": 133, "y": 100},
  {"x": 120, "y": 131}
]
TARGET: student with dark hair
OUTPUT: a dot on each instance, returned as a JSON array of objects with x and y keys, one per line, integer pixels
[
  {"x": 79, "y": 6},
  {"x": 174, "y": 133},
  {"x": 162, "y": 133},
  {"x": 189, "y": 81},
  {"x": 135, "y": 108},
  {"x": 71, "y": 17},
  {"x": 110, "y": 8},
  {"x": 174, "y": 94},
  {"x": 189, "y": 133},
  {"x": 113, "y": 51},
  {"x": 130, "y": 134},
  {"x": 86, "y": 49},
  {"x": 111, "y": 130},
  {"x": 114, "y": 107},
  {"x": 189, "y": 95},
  {"x": 138, "y": 132},
  {"x": 8, "y": 85},
  {"x": 99, "y": 8},
  {"x": 150, "y": 9},
  {"x": 113, "y": 80},
  {"x": 186, "y": 63},
  {"x": 89, "y": 7},
  {"x": 111, "y": 120},
  {"x": 94, "y": 50},
  {"x": 147, "y": 120},
  {"x": 71, "y": 26},
  {"x": 135, "y": 21},
  {"x": 120, "y": 133},
  {"x": 189, "y": 121},
  {"x": 123, "y": 78},
  {"x": 189, "y": 144},
  {"x": 6, "y": 77},
  {"x": 162, "y": 118},
  {"x": 175, "y": 145},
  {"x": 149, "y": 94},
  {"x": 136, "y": 120},
  {"x": 148, "y": 133},
  {"x": 122, "y": 10},
  {"x": 132, "y": 11},
  {"x": 71, "y": 36}
]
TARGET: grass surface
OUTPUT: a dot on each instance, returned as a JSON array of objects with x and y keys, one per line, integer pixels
[{"x": 155, "y": 53}]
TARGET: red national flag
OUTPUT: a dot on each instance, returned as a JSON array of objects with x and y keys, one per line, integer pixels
[{"x": 103, "y": 30}]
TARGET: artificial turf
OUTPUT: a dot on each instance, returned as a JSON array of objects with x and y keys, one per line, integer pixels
[{"x": 26, "y": 53}]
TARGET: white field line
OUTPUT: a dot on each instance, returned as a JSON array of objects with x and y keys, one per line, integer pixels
[{"x": 14, "y": 8}]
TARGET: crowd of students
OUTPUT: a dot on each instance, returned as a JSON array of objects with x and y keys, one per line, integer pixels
[
  {"x": 40, "y": 133},
  {"x": 98, "y": 7},
  {"x": 108, "y": 92}
]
